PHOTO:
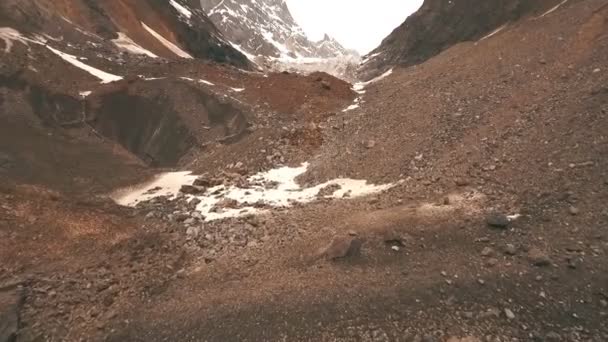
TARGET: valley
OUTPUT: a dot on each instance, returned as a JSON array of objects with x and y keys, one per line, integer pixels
[{"x": 169, "y": 175}]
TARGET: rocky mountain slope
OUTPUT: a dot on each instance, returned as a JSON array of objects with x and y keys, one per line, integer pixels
[
  {"x": 437, "y": 25},
  {"x": 266, "y": 28},
  {"x": 458, "y": 200},
  {"x": 143, "y": 27}
]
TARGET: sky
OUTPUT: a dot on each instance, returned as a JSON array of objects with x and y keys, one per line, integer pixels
[{"x": 356, "y": 24}]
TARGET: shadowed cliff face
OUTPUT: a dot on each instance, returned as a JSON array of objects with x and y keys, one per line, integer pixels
[{"x": 440, "y": 24}]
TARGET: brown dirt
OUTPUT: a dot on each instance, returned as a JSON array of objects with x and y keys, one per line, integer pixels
[{"x": 514, "y": 124}]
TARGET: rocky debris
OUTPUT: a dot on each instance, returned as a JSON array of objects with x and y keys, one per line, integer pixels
[
  {"x": 342, "y": 247},
  {"x": 193, "y": 232},
  {"x": 497, "y": 220},
  {"x": 573, "y": 263},
  {"x": 521, "y": 180},
  {"x": 11, "y": 301},
  {"x": 491, "y": 262},
  {"x": 491, "y": 312},
  {"x": 510, "y": 249},
  {"x": 488, "y": 252},
  {"x": 193, "y": 190},
  {"x": 573, "y": 211},
  {"x": 328, "y": 190},
  {"x": 538, "y": 257},
  {"x": 207, "y": 181},
  {"x": 553, "y": 337},
  {"x": 226, "y": 203},
  {"x": 370, "y": 144},
  {"x": 509, "y": 314},
  {"x": 153, "y": 190},
  {"x": 395, "y": 237},
  {"x": 464, "y": 339},
  {"x": 462, "y": 182},
  {"x": 179, "y": 216}
]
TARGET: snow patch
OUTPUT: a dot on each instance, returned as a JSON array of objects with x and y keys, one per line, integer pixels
[
  {"x": 513, "y": 217},
  {"x": 125, "y": 43},
  {"x": 284, "y": 192},
  {"x": 181, "y": 9},
  {"x": 151, "y": 78},
  {"x": 174, "y": 48},
  {"x": 84, "y": 94},
  {"x": 102, "y": 75},
  {"x": 238, "y": 90},
  {"x": 199, "y": 81},
  {"x": 351, "y": 107},
  {"x": 10, "y": 35}
]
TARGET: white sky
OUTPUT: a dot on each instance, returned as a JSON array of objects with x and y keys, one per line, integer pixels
[{"x": 356, "y": 24}]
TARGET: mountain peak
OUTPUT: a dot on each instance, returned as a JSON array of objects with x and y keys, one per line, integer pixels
[{"x": 267, "y": 28}]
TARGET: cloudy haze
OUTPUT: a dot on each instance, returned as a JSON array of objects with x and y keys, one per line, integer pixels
[{"x": 357, "y": 24}]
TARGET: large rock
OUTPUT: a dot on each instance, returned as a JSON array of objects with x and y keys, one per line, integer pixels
[
  {"x": 11, "y": 300},
  {"x": 192, "y": 189},
  {"x": 497, "y": 220},
  {"x": 342, "y": 247},
  {"x": 539, "y": 257}
]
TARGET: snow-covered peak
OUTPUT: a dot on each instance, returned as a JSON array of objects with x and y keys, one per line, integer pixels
[{"x": 266, "y": 28}]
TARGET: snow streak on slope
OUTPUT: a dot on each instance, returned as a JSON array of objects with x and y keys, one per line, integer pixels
[
  {"x": 181, "y": 9},
  {"x": 10, "y": 35},
  {"x": 493, "y": 33},
  {"x": 174, "y": 48},
  {"x": 551, "y": 10},
  {"x": 125, "y": 43},
  {"x": 102, "y": 75},
  {"x": 360, "y": 86},
  {"x": 240, "y": 49}
]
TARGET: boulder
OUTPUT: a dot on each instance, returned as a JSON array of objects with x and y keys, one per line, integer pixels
[
  {"x": 193, "y": 189},
  {"x": 342, "y": 247},
  {"x": 497, "y": 220},
  {"x": 539, "y": 258},
  {"x": 11, "y": 301}
]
